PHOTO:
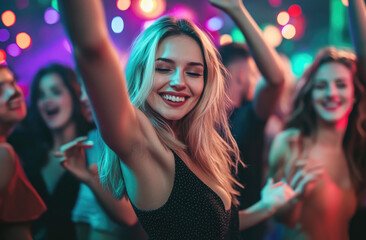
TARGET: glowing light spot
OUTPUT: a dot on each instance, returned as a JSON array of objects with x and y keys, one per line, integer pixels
[
  {"x": 237, "y": 36},
  {"x": 13, "y": 50},
  {"x": 345, "y": 3},
  {"x": 67, "y": 46},
  {"x": 2, "y": 56},
  {"x": 149, "y": 9},
  {"x": 283, "y": 18},
  {"x": 147, "y": 24},
  {"x": 21, "y": 4},
  {"x": 23, "y": 40},
  {"x": 288, "y": 31},
  {"x": 275, "y": 3},
  {"x": 51, "y": 16},
  {"x": 117, "y": 24},
  {"x": 4, "y": 35},
  {"x": 294, "y": 10},
  {"x": 54, "y": 5},
  {"x": 300, "y": 61},
  {"x": 272, "y": 35},
  {"x": 147, "y": 5},
  {"x": 214, "y": 24},
  {"x": 8, "y": 18},
  {"x": 225, "y": 39},
  {"x": 123, "y": 4}
]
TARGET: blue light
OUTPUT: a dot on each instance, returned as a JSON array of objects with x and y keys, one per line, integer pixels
[
  {"x": 117, "y": 25},
  {"x": 214, "y": 24}
]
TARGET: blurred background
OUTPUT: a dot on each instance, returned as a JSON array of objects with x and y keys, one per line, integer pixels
[{"x": 31, "y": 34}]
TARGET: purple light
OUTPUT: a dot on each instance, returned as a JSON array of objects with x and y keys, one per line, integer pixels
[
  {"x": 13, "y": 50},
  {"x": 4, "y": 35},
  {"x": 214, "y": 24},
  {"x": 51, "y": 16},
  {"x": 21, "y": 4},
  {"x": 67, "y": 45}
]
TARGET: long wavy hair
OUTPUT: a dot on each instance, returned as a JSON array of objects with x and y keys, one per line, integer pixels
[
  {"x": 304, "y": 115},
  {"x": 206, "y": 135}
]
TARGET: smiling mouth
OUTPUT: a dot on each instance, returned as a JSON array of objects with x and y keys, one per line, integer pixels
[
  {"x": 174, "y": 99},
  {"x": 52, "y": 112},
  {"x": 15, "y": 104},
  {"x": 331, "y": 105}
]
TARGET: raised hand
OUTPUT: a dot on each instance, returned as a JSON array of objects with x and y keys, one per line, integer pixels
[{"x": 72, "y": 158}]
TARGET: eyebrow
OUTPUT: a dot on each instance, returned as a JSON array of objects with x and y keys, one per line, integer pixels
[{"x": 171, "y": 61}]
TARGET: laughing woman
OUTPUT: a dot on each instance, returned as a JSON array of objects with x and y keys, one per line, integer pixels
[{"x": 55, "y": 117}]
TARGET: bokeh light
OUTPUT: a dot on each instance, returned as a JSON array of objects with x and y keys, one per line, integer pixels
[
  {"x": 294, "y": 10},
  {"x": 54, "y": 4},
  {"x": 275, "y": 3},
  {"x": 117, "y": 24},
  {"x": 150, "y": 9},
  {"x": 23, "y": 40},
  {"x": 272, "y": 35},
  {"x": 288, "y": 31},
  {"x": 123, "y": 5},
  {"x": 225, "y": 39},
  {"x": 51, "y": 16},
  {"x": 345, "y": 3},
  {"x": 182, "y": 11},
  {"x": 8, "y": 18},
  {"x": 4, "y": 35},
  {"x": 214, "y": 23},
  {"x": 66, "y": 44},
  {"x": 283, "y": 18},
  {"x": 300, "y": 61},
  {"x": 13, "y": 50},
  {"x": 237, "y": 35},
  {"x": 2, "y": 56},
  {"x": 21, "y": 4}
]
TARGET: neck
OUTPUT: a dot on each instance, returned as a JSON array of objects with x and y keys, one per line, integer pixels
[
  {"x": 5, "y": 130},
  {"x": 64, "y": 135},
  {"x": 332, "y": 133}
]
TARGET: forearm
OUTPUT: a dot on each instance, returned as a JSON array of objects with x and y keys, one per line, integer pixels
[
  {"x": 266, "y": 57},
  {"x": 120, "y": 211},
  {"x": 84, "y": 21},
  {"x": 254, "y": 215}
]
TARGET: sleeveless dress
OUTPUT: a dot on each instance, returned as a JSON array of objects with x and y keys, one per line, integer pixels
[
  {"x": 19, "y": 202},
  {"x": 192, "y": 211}
]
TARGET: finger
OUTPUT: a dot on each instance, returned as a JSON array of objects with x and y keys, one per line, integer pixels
[
  {"x": 297, "y": 178},
  {"x": 310, "y": 177},
  {"x": 278, "y": 184},
  {"x": 72, "y": 143}
]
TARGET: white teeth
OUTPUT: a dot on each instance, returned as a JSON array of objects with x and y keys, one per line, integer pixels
[
  {"x": 173, "y": 98},
  {"x": 331, "y": 104}
]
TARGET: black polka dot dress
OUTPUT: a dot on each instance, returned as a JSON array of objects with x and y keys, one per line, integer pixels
[{"x": 193, "y": 211}]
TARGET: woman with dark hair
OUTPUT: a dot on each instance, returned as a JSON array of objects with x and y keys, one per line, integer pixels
[
  {"x": 324, "y": 129},
  {"x": 55, "y": 117}
]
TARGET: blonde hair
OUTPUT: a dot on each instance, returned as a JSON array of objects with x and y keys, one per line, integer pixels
[{"x": 207, "y": 137}]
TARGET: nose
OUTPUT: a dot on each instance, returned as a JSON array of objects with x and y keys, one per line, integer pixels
[
  {"x": 178, "y": 81},
  {"x": 12, "y": 91},
  {"x": 331, "y": 90}
]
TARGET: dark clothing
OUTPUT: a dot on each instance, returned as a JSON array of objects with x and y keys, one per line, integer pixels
[
  {"x": 248, "y": 130},
  {"x": 193, "y": 211},
  {"x": 56, "y": 223}
]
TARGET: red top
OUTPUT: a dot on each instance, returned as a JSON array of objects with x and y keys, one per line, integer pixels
[{"x": 20, "y": 202}]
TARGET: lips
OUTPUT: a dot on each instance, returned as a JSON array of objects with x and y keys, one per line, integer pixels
[
  {"x": 331, "y": 105},
  {"x": 51, "y": 112},
  {"x": 15, "y": 104}
]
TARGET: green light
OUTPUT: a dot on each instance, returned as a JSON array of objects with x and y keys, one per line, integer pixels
[
  {"x": 300, "y": 61},
  {"x": 54, "y": 4},
  {"x": 237, "y": 36}
]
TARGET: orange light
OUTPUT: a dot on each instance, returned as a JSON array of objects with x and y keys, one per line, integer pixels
[
  {"x": 8, "y": 18},
  {"x": 283, "y": 18},
  {"x": 23, "y": 40},
  {"x": 150, "y": 9},
  {"x": 225, "y": 39},
  {"x": 288, "y": 31},
  {"x": 272, "y": 35},
  {"x": 2, "y": 56},
  {"x": 123, "y": 4},
  {"x": 345, "y": 2}
]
